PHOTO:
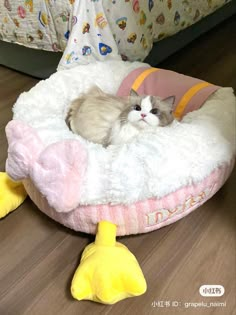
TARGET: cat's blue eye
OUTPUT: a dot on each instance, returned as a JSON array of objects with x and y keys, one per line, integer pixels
[
  {"x": 137, "y": 107},
  {"x": 154, "y": 111}
]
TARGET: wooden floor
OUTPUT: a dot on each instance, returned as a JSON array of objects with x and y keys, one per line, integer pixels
[{"x": 38, "y": 256}]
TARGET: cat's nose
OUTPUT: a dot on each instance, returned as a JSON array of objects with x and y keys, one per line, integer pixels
[{"x": 143, "y": 115}]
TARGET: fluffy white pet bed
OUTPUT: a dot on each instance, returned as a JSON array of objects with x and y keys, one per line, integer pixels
[{"x": 155, "y": 180}]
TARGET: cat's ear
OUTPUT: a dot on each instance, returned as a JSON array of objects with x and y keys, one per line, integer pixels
[
  {"x": 95, "y": 90},
  {"x": 170, "y": 101},
  {"x": 133, "y": 93}
]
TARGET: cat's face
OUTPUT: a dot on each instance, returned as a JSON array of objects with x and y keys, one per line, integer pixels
[{"x": 150, "y": 111}]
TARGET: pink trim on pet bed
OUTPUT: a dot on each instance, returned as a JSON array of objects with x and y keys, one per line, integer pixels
[{"x": 141, "y": 217}]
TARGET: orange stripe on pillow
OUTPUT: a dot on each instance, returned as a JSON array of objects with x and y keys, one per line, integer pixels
[
  {"x": 139, "y": 80},
  {"x": 187, "y": 97}
]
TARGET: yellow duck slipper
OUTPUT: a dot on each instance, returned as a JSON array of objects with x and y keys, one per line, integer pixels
[
  {"x": 12, "y": 194},
  {"x": 108, "y": 271}
]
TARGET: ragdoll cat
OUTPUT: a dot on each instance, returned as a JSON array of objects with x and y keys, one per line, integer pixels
[{"x": 107, "y": 119}]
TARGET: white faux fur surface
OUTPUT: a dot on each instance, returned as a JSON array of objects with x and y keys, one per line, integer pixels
[{"x": 153, "y": 164}]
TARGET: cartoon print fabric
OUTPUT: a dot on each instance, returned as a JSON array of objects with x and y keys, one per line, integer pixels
[
  {"x": 40, "y": 24},
  {"x": 126, "y": 29},
  {"x": 98, "y": 29}
]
